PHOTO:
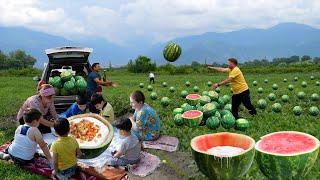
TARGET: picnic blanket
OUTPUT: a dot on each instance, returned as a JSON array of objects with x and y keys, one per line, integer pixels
[
  {"x": 41, "y": 167},
  {"x": 165, "y": 143}
]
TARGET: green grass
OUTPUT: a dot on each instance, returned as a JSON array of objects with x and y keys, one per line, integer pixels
[{"x": 13, "y": 91}]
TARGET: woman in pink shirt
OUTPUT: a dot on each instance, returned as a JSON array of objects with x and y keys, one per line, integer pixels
[{"x": 44, "y": 102}]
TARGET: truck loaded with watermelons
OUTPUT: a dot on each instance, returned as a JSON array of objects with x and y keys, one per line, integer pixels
[{"x": 66, "y": 70}]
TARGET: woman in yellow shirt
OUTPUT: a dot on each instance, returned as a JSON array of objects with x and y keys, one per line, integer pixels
[{"x": 240, "y": 89}]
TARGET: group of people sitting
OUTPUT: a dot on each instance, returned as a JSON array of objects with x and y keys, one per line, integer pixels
[{"x": 38, "y": 116}]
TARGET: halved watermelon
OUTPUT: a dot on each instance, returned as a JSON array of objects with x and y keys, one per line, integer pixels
[
  {"x": 193, "y": 99},
  {"x": 192, "y": 118},
  {"x": 287, "y": 154},
  {"x": 221, "y": 166}
]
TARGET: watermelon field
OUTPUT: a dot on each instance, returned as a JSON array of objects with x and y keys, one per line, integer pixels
[{"x": 288, "y": 102}]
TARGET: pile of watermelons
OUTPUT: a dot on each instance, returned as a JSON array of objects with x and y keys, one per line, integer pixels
[
  {"x": 215, "y": 109},
  {"x": 67, "y": 84}
]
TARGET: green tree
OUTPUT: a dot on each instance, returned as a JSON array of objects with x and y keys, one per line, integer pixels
[
  {"x": 19, "y": 58},
  {"x": 316, "y": 60},
  {"x": 142, "y": 64},
  {"x": 305, "y": 58}
]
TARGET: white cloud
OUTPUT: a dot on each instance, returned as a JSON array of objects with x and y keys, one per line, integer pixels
[{"x": 159, "y": 20}]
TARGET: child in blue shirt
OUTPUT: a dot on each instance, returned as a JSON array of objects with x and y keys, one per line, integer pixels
[{"x": 79, "y": 107}]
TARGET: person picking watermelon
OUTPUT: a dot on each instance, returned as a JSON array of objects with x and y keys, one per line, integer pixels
[
  {"x": 240, "y": 89},
  {"x": 94, "y": 81}
]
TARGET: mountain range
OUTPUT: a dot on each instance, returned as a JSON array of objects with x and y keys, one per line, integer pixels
[{"x": 282, "y": 40}]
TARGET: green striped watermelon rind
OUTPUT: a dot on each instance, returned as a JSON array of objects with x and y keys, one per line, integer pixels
[
  {"x": 280, "y": 166},
  {"x": 172, "y": 52},
  {"x": 192, "y": 121},
  {"x": 224, "y": 167}
]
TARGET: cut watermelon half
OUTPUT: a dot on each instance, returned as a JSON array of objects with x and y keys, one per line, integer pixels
[
  {"x": 192, "y": 118},
  {"x": 193, "y": 99},
  {"x": 287, "y": 154},
  {"x": 221, "y": 167}
]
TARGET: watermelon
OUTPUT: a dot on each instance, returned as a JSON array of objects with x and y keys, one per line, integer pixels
[
  {"x": 312, "y": 77},
  {"x": 318, "y": 83},
  {"x": 290, "y": 87},
  {"x": 286, "y": 154},
  {"x": 276, "y": 107},
  {"x": 213, "y": 122},
  {"x": 73, "y": 80},
  {"x": 301, "y": 95},
  {"x": 164, "y": 84},
  {"x": 68, "y": 86},
  {"x": 66, "y": 76},
  {"x": 209, "y": 110},
  {"x": 285, "y": 98},
  {"x": 193, "y": 99},
  {"x": 153, "y": 96},
  {"x": 178, "y": 120},
  {"x": 56, "y": 91},
  {"x": 81, "y": 84},
  {"x": 226, "y": 98},
  {"x": 64, "y": 92},
  {"x": 216, "y": 104},
  {"x": 275, "y": 87},
  {"x": 217, "y": 114},
  {"x": 266, "y": 81},
  {"x": 228, "y": 107},
  {"x": 225, "y": 112},
  {"x": 228, "y": 121},
  {"x": 304, "y": 84},
  {"x": 177, "y": 111},
  {"x": 186, "y": 107},
  {"x": 296, "y": 78},
  {"x": 172, "y": 89},
  {"x": 314, "y": 111},
  {"x": 184, "y": 94},
  {"x": 218, "y": 90},
  {"x": 205, "y": 93},
  {"x": 255, "y": 83},
  {"x": 199, "y": 108},
  {"x": 204, "y": 100},
  {"x": 262, "y": 104},
  {"x": 221, "y": 102},
  {"x": 272, "y": 97},
  {"x": 260, "y": 90},
  {"x": 56, "y": 82},
  {"x": 285, "y": 80},
  {"x": 192, "y": 118},
  {"x": 78, "y": 78},
  {"x": 150, "y": 88},
  {"x": 141, "y": 85},
  {"x": 196, "y": 89},
  {"x": 171, "y": 52},
  {"x": 214, "y": 96},
  {"x": 50, "y": 80},
  {"x": 165, "y": 101},
  {"x": 188, "y": 83},
  {"x": 297, "y": 110},
  {"x": 209, "y": 83},
  {"x": 315, "y": 97},
  {"x": 242, "y": 124},
  {"x": 223, "y": 167}
]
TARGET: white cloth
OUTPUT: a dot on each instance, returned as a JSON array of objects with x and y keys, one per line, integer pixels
[{"x": 151, "y": 75}]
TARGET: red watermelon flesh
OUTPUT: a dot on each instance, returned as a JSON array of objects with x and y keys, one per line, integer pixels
[
  {"x": 192, "y": 114},
  {"x": 193, "y": 96},
  {"x": 286, "y": 143}
]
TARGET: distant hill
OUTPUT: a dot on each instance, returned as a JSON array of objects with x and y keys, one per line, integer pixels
[{"x": 282, "y": 40}]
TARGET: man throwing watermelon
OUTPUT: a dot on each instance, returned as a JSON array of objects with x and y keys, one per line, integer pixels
[{"x": 240, "y": 89}]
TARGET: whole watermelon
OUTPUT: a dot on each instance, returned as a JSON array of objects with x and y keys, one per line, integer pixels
[
  {"x": 209, "y": 109},
  {"x": 262, "y": 104},
  {"x": 68, "y": 86},
  {"x": 214, "y": 96},
  {"x": 141, "y": 85},
  {"x": 66, "y": 76},
  {"x": 78, "y": 78},
  {"x": 213, "y": 122},
  {"x": 153, "y": 96},
  {"x": 178, "y": 120},
  {"x": 186, "y": 107},
  {"x": 165, "y": 101},
  {"x": 204, "y": 100},
  {"x": 314, "y": 111},
  {"x": 188, "y": 83},
  {"x": 172, "y": 89},
  {"x": 184, "y": 94},
  {"x": 297, "y": 110},
  {"x": 241, "y": 124},
  {"x": 177, "y": 111},
  {"x": 164, "y": 84},
  {"x": 209, "y": 83},
  {"x": 56, "y": 82},
  {"x": 81, "y": 84},
  {"x": 172, "y": 52},
  {"x": 228, "y": 121},
  {"x": 150, "y": 88},
  {"x": 276, "y": 107},
  {"x": 228, "y": 107}
]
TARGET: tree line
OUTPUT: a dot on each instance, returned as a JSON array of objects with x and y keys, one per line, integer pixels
[{"x": 16, "y": 59}]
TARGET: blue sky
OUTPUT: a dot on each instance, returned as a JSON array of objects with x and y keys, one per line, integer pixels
[{"x": 123, "y": 21}]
